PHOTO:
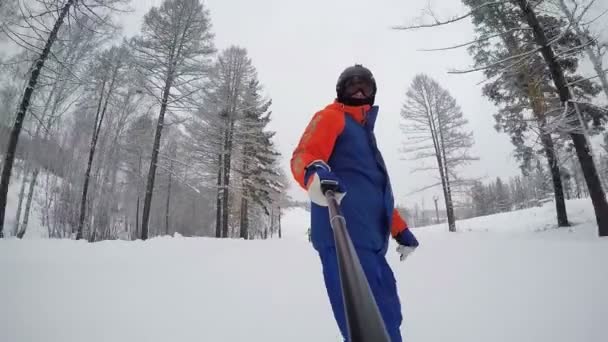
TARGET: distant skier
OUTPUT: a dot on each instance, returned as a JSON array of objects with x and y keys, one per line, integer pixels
[{"x": 339, "y": 145}]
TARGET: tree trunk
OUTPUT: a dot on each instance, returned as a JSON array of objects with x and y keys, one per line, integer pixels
[
  {"x": 577, "y": 182},
  {"x": 111, "y": 206},
  {"x": 244, "y": 216},
  {"x": 218, "y": 205},
  {"x": 156, "y": 146},
  {"x": 226, "y": 180},
  {"x": 126, "y": 225},
  {"x": 21, "y": 195},
  {"x": 271, "y": 220},
  {"x": 280, "y": 235},
  {"x": 28, "y": 204},
  {"x": 538, "y": 107},
  {"x": 449, "y": 204},
  {"x": 104, "y": 220},
  {"x": 137, "y": 225},
  {"x": 92, "y": 146},
  {"x": 168, "y": 204},
  {"x": 137, "y": 234},
  {"x": 560, "y": 203},
  {"x": 9, "y": 158},
  {"x": 244, "y": 224},
  {"x": 592, "y": 179},
  {"x": 439, "y": 156}
]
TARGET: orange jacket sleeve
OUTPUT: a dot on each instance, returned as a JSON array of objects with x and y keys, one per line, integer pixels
[
  {"x": 399, "y": 223},
  {"x": 317, "y": 142}
]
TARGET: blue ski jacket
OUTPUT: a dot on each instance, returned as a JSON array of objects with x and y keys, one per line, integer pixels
[{"x": 343, "y": 137}]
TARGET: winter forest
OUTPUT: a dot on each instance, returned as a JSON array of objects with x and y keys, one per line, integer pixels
[
  {"x": 149, "y": 143},
  {"x": 134, "y": 138},
  {"x": 531, "y": 55},
  {"x": 161, "y": 132}
]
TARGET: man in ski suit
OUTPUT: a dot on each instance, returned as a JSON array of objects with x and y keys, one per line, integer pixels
[{"x": 339, "y": 145}]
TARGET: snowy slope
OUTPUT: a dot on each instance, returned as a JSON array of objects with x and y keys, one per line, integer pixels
[
  {"x": 537, "y": 219},
  {"x": 473, "y": 286},
  {"x": 296, "y": 222}
]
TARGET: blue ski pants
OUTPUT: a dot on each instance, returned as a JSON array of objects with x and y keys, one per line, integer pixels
[{"x": 381, "y": 281}]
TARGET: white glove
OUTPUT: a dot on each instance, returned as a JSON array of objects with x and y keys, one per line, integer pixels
[{"x": 404, "y": 251}]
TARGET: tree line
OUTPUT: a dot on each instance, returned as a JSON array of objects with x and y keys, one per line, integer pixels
[
  {"x": 530, "y": 53},
  {"x": 146, "y": 136}
]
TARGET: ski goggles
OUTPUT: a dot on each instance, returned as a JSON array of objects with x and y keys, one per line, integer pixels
[{"x": 355, "y": 84}]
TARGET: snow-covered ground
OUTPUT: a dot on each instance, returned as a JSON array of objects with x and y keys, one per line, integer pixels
[
  {"x": 516, "y": 282},
  {"x": 537, "y": 219}
]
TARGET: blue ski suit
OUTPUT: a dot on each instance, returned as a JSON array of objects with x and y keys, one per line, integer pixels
[{"x": 343, "y": 137}]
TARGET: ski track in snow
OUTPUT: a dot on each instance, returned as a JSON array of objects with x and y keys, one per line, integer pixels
[{"x": 505, "y": 277}]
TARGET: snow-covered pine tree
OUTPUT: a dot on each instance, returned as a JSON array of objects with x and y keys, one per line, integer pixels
[
  {"x": 577, "y": 109},
  {"x": 518, "y": 84},
  {"x": 214, "y": 131},
  {"x": 575, "y": 12},
  {"x": 435, "y": 128},
  {"x": 173, "y": 53},
  {"x": 257, "y": 161}
]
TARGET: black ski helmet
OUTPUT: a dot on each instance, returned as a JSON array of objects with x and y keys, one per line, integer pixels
[{"x": 357, "y": 70}]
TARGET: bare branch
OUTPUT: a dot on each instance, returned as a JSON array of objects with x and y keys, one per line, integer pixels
[
  {"x": 424, "y": 188},
  {"x": 489, "y": 66},
  {"x": 449, "y": 21},
  {"x": 476, "y": 41},
  {"x": 585, "y": 79},
  {"x": 596, "y": 18}
]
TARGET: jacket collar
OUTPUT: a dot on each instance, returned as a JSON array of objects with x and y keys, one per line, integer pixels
[{"x": 365, "y": 115}]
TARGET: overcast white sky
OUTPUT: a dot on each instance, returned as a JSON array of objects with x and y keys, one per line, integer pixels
[{"x": 300, "y": 47}]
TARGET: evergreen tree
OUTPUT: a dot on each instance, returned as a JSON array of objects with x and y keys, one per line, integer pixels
[
  {"x": 258, "y": 157},
  {"x": 519, "y": 83}
]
